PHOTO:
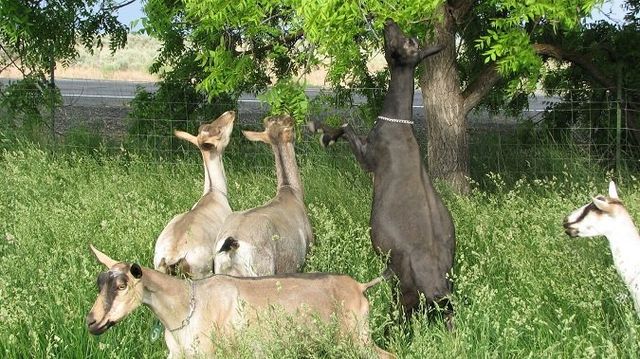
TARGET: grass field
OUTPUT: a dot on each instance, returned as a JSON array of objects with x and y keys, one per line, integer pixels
[{"x": 522, "y": 288}]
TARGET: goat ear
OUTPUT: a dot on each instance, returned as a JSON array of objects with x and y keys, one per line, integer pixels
[
  {"x": 103, "y": 258},
  {"x": 187, "y": 137},
  {"x": 256, "y": 136},
  {"x": 613, "y": 191},
  {"x": 228, "y": 115},
  {"x": 136, "y": 270},
  {"x": 601, "y": 204},
  {"x": 424, "y": 53}
]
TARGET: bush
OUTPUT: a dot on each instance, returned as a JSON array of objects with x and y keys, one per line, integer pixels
[
  {"x": 175, "y": 105},
  {"x": 27, "y": 106}
]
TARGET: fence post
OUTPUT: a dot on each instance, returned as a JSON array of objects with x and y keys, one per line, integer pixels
[
  {"x": 52, "y": 88},
  {"x": 618, "y": 120}
]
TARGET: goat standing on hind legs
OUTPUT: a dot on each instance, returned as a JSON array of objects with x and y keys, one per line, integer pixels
[
  {"x": 607, "y": 217},
  {"x": 187, "y": 243},
  {"x": 408, "y": 219}
]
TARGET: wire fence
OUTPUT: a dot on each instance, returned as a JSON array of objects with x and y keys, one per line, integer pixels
[{"x": 553, "y": 135}]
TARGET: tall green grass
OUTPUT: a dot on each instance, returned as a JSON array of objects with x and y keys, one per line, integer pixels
[{"x": 522, "y": 288}]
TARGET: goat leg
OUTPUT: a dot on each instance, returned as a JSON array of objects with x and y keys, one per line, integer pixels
[
  {"x": 359, "y": 147},
  {"x": 330, "y": 135}
]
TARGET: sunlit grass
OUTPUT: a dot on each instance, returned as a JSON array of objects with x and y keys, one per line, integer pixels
[{"x": 522, "y": 288}]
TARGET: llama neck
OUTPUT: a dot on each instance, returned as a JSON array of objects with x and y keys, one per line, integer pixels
[
  {"x": 214, "y": 176},
  {"x": 167, "y": 297},
  {"x": 287, "y": 171}
]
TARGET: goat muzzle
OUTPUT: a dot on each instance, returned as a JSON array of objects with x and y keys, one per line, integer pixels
[
  {"x": 568, "y": 229},
  {"x": 94, "y": 327}
]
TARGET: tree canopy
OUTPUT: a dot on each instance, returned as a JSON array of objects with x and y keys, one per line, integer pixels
[
  {"x": 492, "y": 45},
  {"x": 35, "y": 34}
]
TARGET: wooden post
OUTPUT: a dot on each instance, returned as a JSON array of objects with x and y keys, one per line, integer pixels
[{"x": 618, "y": 121}]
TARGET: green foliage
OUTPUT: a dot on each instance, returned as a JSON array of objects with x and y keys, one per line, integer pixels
[
  {"x": 35, "y": 33},
  {"x": 262, "y": 40},
  {"x": 533, "y": 152},
  {"x": 282, "y": 336},
  {"x": 34, "y": 36},
  {"x": 82, "y": 138},
  {"x": 588, "y": 93},
  {"x": 287, "y": 97},
  {"x": 508, "y": 40},
  {"x": 522, "y": 288},
  {"x": 26, "y": 107},
  {"x": 176, "y": 105}
]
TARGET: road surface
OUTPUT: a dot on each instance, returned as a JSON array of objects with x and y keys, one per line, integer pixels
[{"x": 83, "y": 92}]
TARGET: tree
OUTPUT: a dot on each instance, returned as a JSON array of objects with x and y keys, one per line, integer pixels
[
  {"x": 36, "y": 35},
  {"x": 488, "y": 43},
  {"x": 596, "y": 61}
]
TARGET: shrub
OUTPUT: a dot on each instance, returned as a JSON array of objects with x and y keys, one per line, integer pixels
[
  {"x": 175, "y": 105},
  {"x": 27, "y": 105}
]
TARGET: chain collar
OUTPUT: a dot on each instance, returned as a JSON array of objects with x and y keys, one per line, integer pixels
[
  {"x": 396, "y": 120},
  {"x": 192, "y": 307}
]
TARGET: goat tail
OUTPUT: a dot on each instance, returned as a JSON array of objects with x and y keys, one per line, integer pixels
[
  {"x": 387, "y": 274},
  {"x": 329, "y": 134}
]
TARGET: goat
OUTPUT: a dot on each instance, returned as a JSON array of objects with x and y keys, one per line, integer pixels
[
  {"x": 275, "y": 237},
  {"x": 187, "y": 243},
  {"x": 192, "y": 311},
  {"x": 607, "y": 216},
  {"x": 409, "y": 221}
]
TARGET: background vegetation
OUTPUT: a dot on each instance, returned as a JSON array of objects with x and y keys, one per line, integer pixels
[{"x": 522, "y": 288}]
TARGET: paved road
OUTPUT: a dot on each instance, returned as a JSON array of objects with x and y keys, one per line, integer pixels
[
  {"x": 109, "y": 92},
  {"x": 80, "y": 92}
]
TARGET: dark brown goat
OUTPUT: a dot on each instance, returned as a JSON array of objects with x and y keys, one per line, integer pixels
[{"x": 408, "y": 219}]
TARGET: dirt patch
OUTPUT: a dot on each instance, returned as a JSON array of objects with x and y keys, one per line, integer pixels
[{"x": 107, "y": 122}]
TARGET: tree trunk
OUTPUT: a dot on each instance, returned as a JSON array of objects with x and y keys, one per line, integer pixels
[{"x": 445, "y": 115}]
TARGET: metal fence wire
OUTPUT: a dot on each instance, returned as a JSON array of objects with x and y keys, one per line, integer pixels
[{"x": 550, "y": 137}]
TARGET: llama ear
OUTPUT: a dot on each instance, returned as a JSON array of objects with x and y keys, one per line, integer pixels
[
  {"x": 601, "y": 204},
  {"x": 613, "y": 191}
]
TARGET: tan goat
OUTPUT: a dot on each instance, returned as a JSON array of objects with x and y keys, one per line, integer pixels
[
  {"x": 193, "y": 311},
  {"x": 275, "y": 237},
  {"x": 187, "y": 243}
]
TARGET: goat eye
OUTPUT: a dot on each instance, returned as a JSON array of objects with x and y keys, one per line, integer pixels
[{"x": 122, "y": 287}]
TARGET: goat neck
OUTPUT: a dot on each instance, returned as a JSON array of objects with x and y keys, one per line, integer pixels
[
  {"x": 624, "y": 241},
  {"x": 402, "y": 53},
  {"x": 166, "y": 296},
  {"x": 214, "y": 175},
  {"x": 399, "y": 98},
  {"x": 287, "y": 171}
]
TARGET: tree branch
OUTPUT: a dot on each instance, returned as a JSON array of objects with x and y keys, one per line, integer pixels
[
  {"x": 476, "y": 91},
  {"x": 11, "y": 61},
  {"x": 581, "y": 60},
  {"x": 289, "y": 39},
  {"x": 584, "y": 61},
  {"x": 459, "y": 9},
  {"x": 118, "y": 6}
]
